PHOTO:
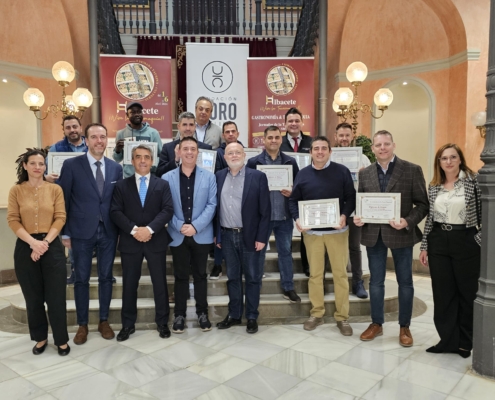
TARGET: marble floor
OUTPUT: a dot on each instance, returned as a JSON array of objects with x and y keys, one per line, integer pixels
[{"x": 279, "y": 362}]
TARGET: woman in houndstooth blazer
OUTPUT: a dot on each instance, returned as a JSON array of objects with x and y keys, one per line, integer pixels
[{"x": 451, "y": 248}]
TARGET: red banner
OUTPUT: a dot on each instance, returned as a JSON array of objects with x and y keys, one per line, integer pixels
[
  {"x": 274, "y": 86},
  {"x": 129, "y": 79}
]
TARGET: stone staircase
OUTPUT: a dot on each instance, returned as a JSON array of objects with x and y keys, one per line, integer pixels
[{"x": 274, "y": 309}]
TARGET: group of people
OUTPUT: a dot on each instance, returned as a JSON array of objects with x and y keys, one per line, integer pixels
[{"x": 95, "y": 205}]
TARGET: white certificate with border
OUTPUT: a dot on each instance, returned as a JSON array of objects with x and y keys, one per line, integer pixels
[
  {"x": 302, "y": 159},
  {"x": 324, "y": 213},
  {"x": 279, "y": 176},
  {"x": 250, "y": 153},
  {"x": 129, "y": 145},
  {"x": 378, "y": 208},
  {"x": 56, "y": 160},
  {"x": 350, "y": 157},
  {"x": 207, "y": 159}
]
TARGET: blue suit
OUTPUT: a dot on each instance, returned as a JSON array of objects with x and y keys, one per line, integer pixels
[
  {"x": 191, "y": 252},
  {"x": 89, "y": 226},
  {"x": 239, "y": 247}
]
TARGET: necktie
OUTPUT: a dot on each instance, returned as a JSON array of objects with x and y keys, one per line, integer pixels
[
  {"x": 142, "y": 190},
  {"x": 296, "y": 147},
  {"x": 100, "y": 181}
]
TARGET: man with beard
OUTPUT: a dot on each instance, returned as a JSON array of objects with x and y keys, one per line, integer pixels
[{"x": 135, "y": 130}]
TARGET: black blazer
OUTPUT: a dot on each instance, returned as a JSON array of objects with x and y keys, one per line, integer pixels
[
  {"x": 127, "y": 212},
  {"x": 167, "y": 157},
  {"x": 304, "y": 146}
]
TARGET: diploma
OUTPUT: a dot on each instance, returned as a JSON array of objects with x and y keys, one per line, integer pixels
[
  {"x": 323, "y": 213},
  {"x": 302, "y": 159},
  {"x": 378, "y": 208},
  {"x": 130, "y": 144},
  {"x": 207, "y": 159},
  {"x": 279, "y": 176},
  {"x": 350, "y": 157},
  {"x": 250, "y": 153},
  {"x": 56, "y": 160}
]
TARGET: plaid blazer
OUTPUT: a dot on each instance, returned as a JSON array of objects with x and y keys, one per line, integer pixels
[
  {"x": 408, "y": 180},
  {"x": 470, "y": 185}
]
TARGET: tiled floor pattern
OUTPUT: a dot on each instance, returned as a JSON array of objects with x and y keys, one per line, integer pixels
[{"x": 279, "y": 362}]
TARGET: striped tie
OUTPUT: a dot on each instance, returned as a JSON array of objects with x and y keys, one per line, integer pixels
[{"x": 143, "y": 189}]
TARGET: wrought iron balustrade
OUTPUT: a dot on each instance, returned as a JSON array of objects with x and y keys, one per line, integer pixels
[{"x": 208, "y": 17}]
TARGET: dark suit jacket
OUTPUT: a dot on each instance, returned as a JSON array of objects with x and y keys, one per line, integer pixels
[
  {"x": 167, "y": 157},
  {"x": 127, "y": 212},
  {"x": 304, "y": 146},
  {"x": 83, "y": 202},
  {"x": 256, "y": 207},
  {"x": 408, "y": 180}
]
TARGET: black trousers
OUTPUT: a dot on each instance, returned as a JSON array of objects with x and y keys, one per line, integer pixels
[
  {"x": 190, "y": 256},
  {"x": 454, "y": 260},
  {"x": 131, "y": 273},
  {"x": 43, "y": 281}
]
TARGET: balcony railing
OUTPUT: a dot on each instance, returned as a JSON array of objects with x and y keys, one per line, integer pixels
[{"x": 208, "y": 17}]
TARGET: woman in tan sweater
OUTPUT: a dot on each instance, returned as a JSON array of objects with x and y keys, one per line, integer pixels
[{"x": 36, "y": 214}]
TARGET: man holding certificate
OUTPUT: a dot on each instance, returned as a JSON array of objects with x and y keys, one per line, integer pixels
[
  {"x": 281, "y": 223},
  {"x": 325, "y": 193},
  {"x": 390, "y": 176},
  {"x": 343, "y": 138}
]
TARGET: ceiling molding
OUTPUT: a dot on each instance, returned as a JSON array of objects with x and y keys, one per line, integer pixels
[{"x": 28, "y": 70}]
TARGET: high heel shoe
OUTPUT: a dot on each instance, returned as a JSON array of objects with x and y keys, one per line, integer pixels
[
  {"x": 39, "y": 350},
  {"x": 63, "y": 352}
]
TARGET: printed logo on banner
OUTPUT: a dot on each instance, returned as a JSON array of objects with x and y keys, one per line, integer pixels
[
  {"x": 135, "y": 81},
  {"x": 217, "y": 77},
  {"x": 281, "y": 80}
]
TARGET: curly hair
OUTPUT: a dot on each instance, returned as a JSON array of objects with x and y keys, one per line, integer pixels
[{"x": 22, "y": 175}]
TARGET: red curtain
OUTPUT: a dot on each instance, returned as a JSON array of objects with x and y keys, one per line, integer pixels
[{"x": 170, "y": 46}]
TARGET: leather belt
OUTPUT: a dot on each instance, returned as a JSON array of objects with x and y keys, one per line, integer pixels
[
  {"x": 238, "y": 230},
  {"x": 451, "y": 227}
]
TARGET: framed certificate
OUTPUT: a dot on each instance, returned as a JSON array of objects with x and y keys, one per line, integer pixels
[
  {"x": 350, "y": 157},
  {"x": 302, "y": 159},
  {"x": 279, "y": 176},
  {"x": 250, "y": 153},
  {"x": 207, "y": 159},
  {"x": 110, "y": 147},
  {"x": 129, "y": 145},
  {"x": 56, "y": 160},
  {"x": 323, "y": 213},
  {"x": 378, "y": 208}
]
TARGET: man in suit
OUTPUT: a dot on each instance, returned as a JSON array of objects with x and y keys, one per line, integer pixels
[
  {"x": 170, "y": 155},
  {"x": 324, "y": 179},
  {"x": 194, "y": 193},
  {"x": 343, "y": 138},
  {"x": 242, "y": 231},
  {"x": 295, "y": 141},
  {"x": 392, "y": 175},
  {"x": 280, "y": 222},
  {"x": 141, "y": 206},
  {"x": 88, "y": 182}
]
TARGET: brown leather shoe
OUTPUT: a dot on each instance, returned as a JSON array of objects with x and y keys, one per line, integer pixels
[
  {"x": 371, "y": 332},
  {"x": 105, "y": 330},
  {"x": 81, "y": 335},
  {"x": 405, "y": 337}
]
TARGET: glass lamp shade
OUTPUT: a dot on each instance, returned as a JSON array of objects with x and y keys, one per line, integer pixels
[
  {"x": 82, "y": 98},
  {"x": 343, "y": 97},
  {"x": 33, "y": 97},
  {"x": 383, "y": 97},
  {"x": 62, "y": 71},
  {"x": 479, "y": 118},
  {"x": 335, "y": 107},
  {"x": 70, "y": 103},
  {"x": 356, "y": 72}
]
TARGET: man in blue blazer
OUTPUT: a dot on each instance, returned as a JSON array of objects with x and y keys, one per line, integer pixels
[
  {"x": 169, "y": 156},
  {"x": 194, "y": 192},
  {"x": 242, "y": 231},
  {"x": 88, "y": 182},
  {"x": 141, "y": 207}
]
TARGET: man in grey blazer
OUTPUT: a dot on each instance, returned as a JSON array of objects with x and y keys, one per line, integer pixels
[
  {"x": 391, "y": 174},
  {"x": 206, "y": 131}
]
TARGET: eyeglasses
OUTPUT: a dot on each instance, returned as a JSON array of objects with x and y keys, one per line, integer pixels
[{"x": 451, "y": 158}]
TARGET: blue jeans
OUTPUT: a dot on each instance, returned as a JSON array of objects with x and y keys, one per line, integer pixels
[
  {"x": 240, "y": 260},
  {"x": 82, "y": 250},
  {"x": 283, "y": 238},
  {"x": 377, "y": 257}
]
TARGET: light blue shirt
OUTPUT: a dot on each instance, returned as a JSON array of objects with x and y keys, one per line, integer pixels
[{"x": 92, "y": 161}]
